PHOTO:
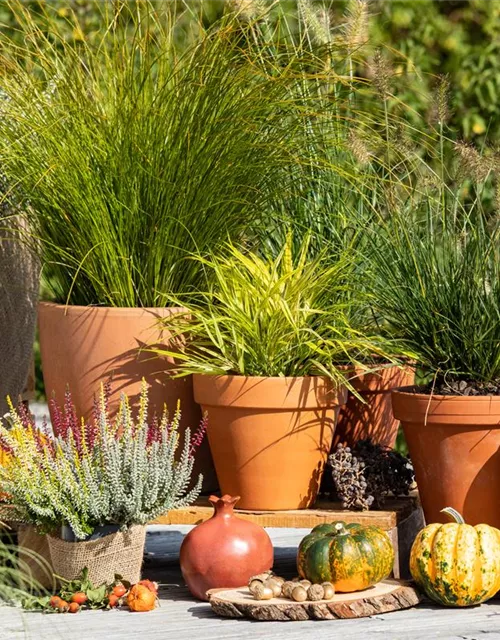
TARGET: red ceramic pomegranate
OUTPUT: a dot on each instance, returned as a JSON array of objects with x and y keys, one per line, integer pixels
[{"x": 224, "y": 551}]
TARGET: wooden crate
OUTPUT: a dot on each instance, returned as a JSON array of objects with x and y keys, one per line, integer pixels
[{"x": 402, "y": 518}]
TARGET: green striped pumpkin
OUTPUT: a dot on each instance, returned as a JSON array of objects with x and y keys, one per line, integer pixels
[
  {"x": 352, "y": 557},
  {"x": 456, "y": 564}
]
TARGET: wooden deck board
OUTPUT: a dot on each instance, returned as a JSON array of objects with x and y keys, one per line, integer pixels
[{"x": 181, "y": 618}]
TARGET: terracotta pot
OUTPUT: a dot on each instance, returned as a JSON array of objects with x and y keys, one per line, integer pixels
[
  {"x": 269, "y": 437},
  {"x": 374, "y": 418},
  {"x": 454, "y": 444},
  {"x": 224, "y": 551},
  {"x": 84, "y": 346}
]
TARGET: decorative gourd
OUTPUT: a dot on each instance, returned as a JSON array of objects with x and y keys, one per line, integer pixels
[
  {"x": 456, "y": 564},
  {"x": 350, "y": 556},
  {"x": 224, "y": 551}
]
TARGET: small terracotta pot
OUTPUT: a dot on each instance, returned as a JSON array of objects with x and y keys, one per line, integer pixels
[
  {"x": 374, "y": 418},
  {"x": 269, "y": 437},
  {"x": 84, "y": 346},
  {"x": 224, "y": 551},
  {"x": 454, "y": 444}
]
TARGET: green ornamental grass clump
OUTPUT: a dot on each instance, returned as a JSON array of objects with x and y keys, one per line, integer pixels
[
  {"x": 16, "y": 580},
  {"x": 120, "y": 471},
  {"x": 280, "y": 316},
  {"x": 129, "y": 155},
  {"x": 436, "y": 281}
]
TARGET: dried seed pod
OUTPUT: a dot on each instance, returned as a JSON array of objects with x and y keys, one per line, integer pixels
[
  {"x": 261, "y": 592},
  {"x": 253, "y": 584},
  {"x": 274, "y": 586},
  {"x": 279, "y": 579},
  {"x": 329, "y": 590},
  {"x": 299, "y": 594},
  {"x": 287, "y": 588},
  {"x": 315, "y": 592},
  {"x": 306, "y": 583}
]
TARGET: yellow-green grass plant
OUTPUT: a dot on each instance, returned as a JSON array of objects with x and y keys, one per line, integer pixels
[{"x": 271, "y": 316}]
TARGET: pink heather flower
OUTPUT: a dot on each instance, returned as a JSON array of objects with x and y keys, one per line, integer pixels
[
  {"x": 58, "y": 423},
  {"x": 70, "y": 412},
  {"x": 40, "y": 441},
  {"x": 65, "y": 421},
  {"x": 198, "y": 436},
  {"x": 27, "y": 418},
  {"x": 154, "y": 434}
]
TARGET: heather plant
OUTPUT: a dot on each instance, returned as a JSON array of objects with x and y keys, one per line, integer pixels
[{"x": 120, "y": 471}]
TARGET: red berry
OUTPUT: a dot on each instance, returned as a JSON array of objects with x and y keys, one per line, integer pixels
[
  {"x": 79, "y": 597},
  {"x": 54, "y": 602},
  {"x": 113, "y": 600},
  {"x": 63, "y": 606},
  {"x": 74, "y": 607},
  {"x": 119, "y": 590}
]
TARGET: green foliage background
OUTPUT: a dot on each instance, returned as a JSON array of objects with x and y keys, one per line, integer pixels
[{"x": 460, "y": 38}]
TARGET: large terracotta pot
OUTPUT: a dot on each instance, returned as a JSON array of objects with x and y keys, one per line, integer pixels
[
  {"x": 454, "y": 444},
  {"x": 269, "y": 437},
  {"x": 224, "y": 551},
  {"x": 84, "y": 346},
  {"x": 372, "y": 418}
]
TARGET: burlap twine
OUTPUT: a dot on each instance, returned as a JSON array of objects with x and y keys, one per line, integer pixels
[
  {"x": 120, "y": 552},
  {"x": 19, "y": 283}
]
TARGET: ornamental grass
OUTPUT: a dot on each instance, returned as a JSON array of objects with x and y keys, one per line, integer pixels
[
  {"x": 129, "y": 155},
  {"x": 272, "y": 316}
]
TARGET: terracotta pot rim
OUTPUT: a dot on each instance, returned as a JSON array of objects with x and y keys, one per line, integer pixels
[
  {"x": 75, "y": 308},
  {"x": 409, "y": 392},
  {"x": 426, "y": 411},
  {"x": 260, "y": 393},
  {"x": 262, "y": 378}
]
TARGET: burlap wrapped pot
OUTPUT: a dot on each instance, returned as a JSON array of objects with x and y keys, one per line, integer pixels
[{"x": 121, "y": 552}]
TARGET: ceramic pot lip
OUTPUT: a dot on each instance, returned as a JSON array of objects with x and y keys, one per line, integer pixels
[
  {"x": 422, "y": 409},
  {"x": 411, "y": 391},
  {"x": 272, "y": 392},
  {"x": 75, "y": 309},
  {"x": 381, "y": 380},
  {"x": 238, "y": 377}
]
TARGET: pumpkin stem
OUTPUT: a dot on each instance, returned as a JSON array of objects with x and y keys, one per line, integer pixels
[
  {"x": 454, "y": 515},
  {"x": 340, "y": 529}
]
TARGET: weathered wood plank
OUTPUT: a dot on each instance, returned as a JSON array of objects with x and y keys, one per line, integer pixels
[{"x": 396, "y": 511}]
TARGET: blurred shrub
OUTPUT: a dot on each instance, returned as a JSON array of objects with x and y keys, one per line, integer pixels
[{"x": 460, "y": 38}]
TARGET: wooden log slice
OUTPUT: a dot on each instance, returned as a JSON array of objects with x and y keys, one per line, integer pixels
[{"x": 386, "y": 596}]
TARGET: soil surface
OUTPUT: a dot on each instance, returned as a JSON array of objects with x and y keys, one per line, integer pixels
[{"x": 463, "y": 388}]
